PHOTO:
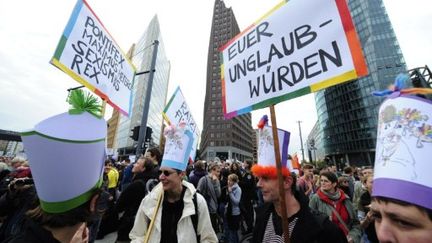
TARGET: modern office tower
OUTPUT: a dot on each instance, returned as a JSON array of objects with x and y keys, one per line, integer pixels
[
  {"x": 348, "y": 113},
  {"x": 226, "y": 139},
  {"x": 141, "y": 58}
]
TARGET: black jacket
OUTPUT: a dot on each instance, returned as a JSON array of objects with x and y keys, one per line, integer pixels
[
  {"x": 248, "y": 186},
  {"x": 310, "y": 227},
  {"x": 33, "y": 233}
]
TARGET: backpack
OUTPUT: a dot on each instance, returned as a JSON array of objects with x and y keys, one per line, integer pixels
[
  {"x": 194, "y": 218},
  {"x": 150, "y": 184}
]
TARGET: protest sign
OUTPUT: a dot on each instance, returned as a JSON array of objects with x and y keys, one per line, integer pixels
[
  {"x": 176, "y": 111},
  {"x": 299, "y": 47},
  {"x": 88, "y": 53},
  {"x": 266, "y": 152}
]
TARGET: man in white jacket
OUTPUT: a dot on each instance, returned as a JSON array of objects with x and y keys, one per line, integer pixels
[{"x": 179, "y": 213}]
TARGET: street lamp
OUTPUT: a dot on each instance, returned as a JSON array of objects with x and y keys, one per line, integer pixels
[
  {"x": 301, "y": 140},
  {"x": 142, "y": 130}
]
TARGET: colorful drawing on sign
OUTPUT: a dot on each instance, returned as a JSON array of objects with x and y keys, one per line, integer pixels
[
  {"x": 88, "y": 53},
  {"x": 395, "y": 128},
  {"x": 177, "y": 111},
  {"x": 284, "y": 55},
  {"x": 178, "y": 145},
  {"x": 173, "y": 139},
  {"x": 265, "y": 142}
]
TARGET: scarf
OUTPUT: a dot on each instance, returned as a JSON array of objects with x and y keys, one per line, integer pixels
[{"x": 336, "y": 200}]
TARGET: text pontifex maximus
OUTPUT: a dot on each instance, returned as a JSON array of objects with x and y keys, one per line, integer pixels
[
  {"x": 288, "y": 74},
  {"x": 97, "y": 55}
]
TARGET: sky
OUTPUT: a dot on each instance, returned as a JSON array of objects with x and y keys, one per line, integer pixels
[{"x": 31, "y": 89}]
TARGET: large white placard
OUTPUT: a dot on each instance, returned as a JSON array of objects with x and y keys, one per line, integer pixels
[{"x": 88, "y": 53}]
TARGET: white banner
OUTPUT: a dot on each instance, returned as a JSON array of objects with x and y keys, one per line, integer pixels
[
  {"x": 300, "y": 47},
  {"x": 88, "y": 53},
  {"x": 176, "y": 111}
]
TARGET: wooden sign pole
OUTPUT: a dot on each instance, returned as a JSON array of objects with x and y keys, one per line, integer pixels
[{"x": 284, "y": 215}]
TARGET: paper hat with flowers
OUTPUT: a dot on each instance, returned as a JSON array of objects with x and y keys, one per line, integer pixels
[
  {"x": 404, "y": 146},
  {"x": 178, "y": 145},
  {"x": 266, "y": 165},
  {"x": 66, "y": 154}
]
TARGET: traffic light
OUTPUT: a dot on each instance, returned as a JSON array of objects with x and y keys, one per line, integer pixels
[
  {"x": 135, "y": 133},
  {"x": 149, "y": 132}
]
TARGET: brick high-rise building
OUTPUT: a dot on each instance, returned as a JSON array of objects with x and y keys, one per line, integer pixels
[{"x": 226, "y": 139}]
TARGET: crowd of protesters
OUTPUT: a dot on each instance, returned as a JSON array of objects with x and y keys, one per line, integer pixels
[
  {"x": 66, "y": 190},
  {"x": 229, "y": 188}
]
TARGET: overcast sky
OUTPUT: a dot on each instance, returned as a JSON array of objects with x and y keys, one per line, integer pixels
[{"x": 31, "y": 89}]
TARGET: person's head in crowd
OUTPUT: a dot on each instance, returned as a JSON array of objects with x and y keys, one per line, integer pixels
[
  {"x": 328, "y": 181},
  {"x": 232, "y": 179},
  {"x": 308, "y": 170},
  {"x": 227, "y": 164},
  {"x": 234, "y": 168},
  {"x": 126, "y": 162},
  {"x": 343, "y": 184},
  {"x": 324, "y": 169},
  {"x": 17, "y": 162},
  {"x": 108, "y": 165},
  {"x": 66, "y": 154},
  {"x": 368, "y": 182},
  {"x": 154, "y": 154},
  {"x": 342, "y": 181},
  {"x": 332, "y": 168},
  {"x": 215, "y": 169},
  {"x": 367, "y": 171},
  {"x": 142, "y": 164},
  {"x": 199, "y": 166},
  {"x": 269, "y": 185},
  {"x": 402, "y": 185},
  {"x": 348, "y": 170},
  {"x": 247, "y": 164}
]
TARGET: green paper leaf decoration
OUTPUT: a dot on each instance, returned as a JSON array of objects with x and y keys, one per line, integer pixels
[{"x": 81, "y": 102}]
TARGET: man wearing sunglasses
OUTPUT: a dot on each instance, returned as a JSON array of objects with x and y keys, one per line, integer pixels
[{"x": 179, "y": 213}]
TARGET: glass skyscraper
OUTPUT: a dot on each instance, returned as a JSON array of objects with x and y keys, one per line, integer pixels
[
  {"x": 142, "y": 56},
  {"x": 347, "y": 113},
  {"x": 226, "y": 139}
]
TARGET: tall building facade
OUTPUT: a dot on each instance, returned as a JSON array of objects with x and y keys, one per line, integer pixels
[
  {"x": 141, "y": 58},
  {"x": 314, "y": 144},
  {"x": 226, "y": 139},
  {"x": 347, "y": 113}
]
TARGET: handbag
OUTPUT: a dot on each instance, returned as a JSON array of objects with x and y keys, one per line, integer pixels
[{"x": 340, "y": 219}]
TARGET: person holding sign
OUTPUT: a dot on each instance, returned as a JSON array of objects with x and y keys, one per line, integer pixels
[
  {"x": 173, "y": 211},
  {"x": 304, "y": 224},
  {"x": 402, "y": 186},
  {"x": 66, "y": 154}
]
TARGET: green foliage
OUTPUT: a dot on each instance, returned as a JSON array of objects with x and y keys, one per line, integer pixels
[{"x": 81, "y": 102}]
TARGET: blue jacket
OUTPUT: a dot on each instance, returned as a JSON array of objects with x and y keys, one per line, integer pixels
[{"x": 235, "y": 196}]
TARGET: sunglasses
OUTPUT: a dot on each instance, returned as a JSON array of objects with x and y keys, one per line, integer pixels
[{"x": 166, "y": 173}]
